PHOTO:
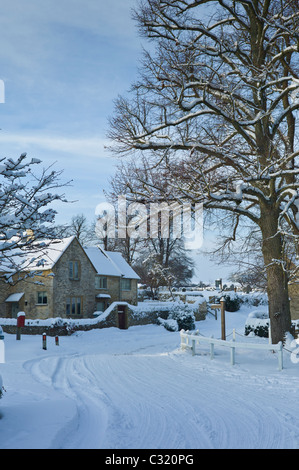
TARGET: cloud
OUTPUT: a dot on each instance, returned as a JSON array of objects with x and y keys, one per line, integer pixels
[{"x": 91, "y": 147}]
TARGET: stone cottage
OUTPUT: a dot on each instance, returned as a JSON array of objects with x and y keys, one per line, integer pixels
[
  {"x": 67, "y": 283},
  {"x": 115, "y": 279}
]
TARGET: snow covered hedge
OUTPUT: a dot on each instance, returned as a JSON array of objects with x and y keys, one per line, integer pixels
[
  {"x": 234, "y": 300},
  {"x": 257, "y": 324},
  {"x": 174, "y": 316},
  {"x": 181, "y": 317}
]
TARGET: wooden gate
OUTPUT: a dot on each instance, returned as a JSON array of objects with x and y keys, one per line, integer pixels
[{"x": 122, "y": 323}]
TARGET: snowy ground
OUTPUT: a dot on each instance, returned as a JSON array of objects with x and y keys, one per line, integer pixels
[{"x": 135, "y": 389}]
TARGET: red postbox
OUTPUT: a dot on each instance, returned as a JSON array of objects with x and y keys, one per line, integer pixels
[{"x": 21, "y": 320}]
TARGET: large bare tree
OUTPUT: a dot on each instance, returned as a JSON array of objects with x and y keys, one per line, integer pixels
[{"x": 215, "y": 108}]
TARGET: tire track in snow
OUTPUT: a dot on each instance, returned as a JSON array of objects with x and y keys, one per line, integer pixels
[
  {"x": 67, "y": 375},
  {"x": 164, "y": 400}
]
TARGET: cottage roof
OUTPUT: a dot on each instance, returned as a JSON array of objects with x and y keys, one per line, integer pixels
[
  {"x": 43, "y": 255},
  {"x": 122, "y": 264},
  {"x": 46, "y": 257},
  {"x": 108, "y": 263}
]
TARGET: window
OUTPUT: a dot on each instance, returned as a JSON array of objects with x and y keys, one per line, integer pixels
[
  {"x": 100, "y": 306},
  {"x": 73, "y": 306},
  {"x": 100, "y": 282},
  {"x": 42, "y": 298},
  {"x": 74, "y": 270},
  {"x": 125, "y": 284}
]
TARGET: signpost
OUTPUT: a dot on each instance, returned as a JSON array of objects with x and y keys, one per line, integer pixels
[{"x": 220, "y": 307}]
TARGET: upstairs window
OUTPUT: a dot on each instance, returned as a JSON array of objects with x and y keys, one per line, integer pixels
[
  {"x": 125, "y": 284},
  {"x": 74, "y": 270},
  {"x": 100, "y": 282},
  {"x": 42, "y": 298}
]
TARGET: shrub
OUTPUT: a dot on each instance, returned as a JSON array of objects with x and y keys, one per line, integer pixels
[
  {"x": 180, "y": 317},
  {"x": 258, "y": 324},
  {"x": 232, "y": 303},
  {"x": 170, "y": 325},
  {"x": 184, "y": 316}
]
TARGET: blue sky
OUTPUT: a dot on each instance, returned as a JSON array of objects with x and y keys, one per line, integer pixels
[{"x": 63, "y": 63}]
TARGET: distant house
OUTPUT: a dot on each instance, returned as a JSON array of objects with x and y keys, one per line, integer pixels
[{"x": 65, "y": 280}]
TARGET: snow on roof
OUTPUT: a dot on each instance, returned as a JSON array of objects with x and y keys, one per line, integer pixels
[
  {"x": 122, "y": 264},
  {"x": 46, "y": 257},
  {"x": 110, "y": 263},
  {"x": 101, "y": 261}
]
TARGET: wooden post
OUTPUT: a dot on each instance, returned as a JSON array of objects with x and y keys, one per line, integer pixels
[
  {"x": 18, "y": 337},
  {"x": 222, "y": 303},
  {"x": 44, "y": 341}
]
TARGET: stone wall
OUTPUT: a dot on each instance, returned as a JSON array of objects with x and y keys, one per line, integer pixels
[
  {"x": 64, "y": 287},
  {"x": 30, "y": 286},
  {"x": 65, "y": 327},
  {"x": 131, "y": 295},
  {"x": 5, "y": 291},
  {"x": 112, "y": 288}
]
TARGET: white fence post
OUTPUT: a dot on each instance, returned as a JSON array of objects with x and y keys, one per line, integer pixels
[
  {"x": 188, "y": 340},
  {"x": 212, "y": 349},
  {"x": 233, "y": 350},
  {"x": 193, "y": 347}
]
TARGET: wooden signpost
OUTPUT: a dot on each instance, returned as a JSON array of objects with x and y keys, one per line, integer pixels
[{"x": 220, "y": 307}]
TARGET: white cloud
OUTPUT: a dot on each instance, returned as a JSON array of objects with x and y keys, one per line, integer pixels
[{"x": 91, "y": 147}]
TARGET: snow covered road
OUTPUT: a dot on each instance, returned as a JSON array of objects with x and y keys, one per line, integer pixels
[{"x": 135, "y": 389}]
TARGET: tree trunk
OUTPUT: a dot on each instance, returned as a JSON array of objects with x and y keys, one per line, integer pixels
[{"x": 277, "y": 286}]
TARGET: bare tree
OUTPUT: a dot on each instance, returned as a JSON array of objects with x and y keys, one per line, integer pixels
[
  {"x": 162, "y": 248},
  {"x": 215, "y": 108},
  {"x": 82, "y": 229}
]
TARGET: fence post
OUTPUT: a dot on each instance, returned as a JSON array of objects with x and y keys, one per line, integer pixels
[
  {"x": 193, "y": 347},
  {"x": 182, "y": 339},
  {"x": 222, "y": 303},
  {"x": 44, "y": 341},
  {"x": 233, "y": 350},
  {"x": 212, "y": 349}
]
